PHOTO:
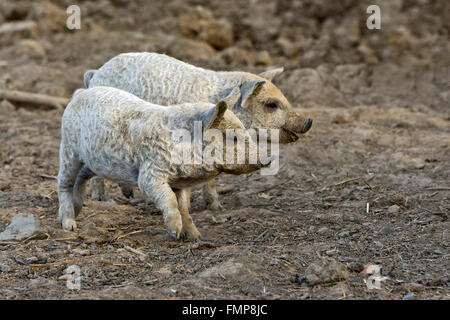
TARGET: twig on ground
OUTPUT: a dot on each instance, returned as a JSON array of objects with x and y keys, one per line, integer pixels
[
  {"x": 346, "y": 181},
  {"x": 438, "y": 189},
  {"x": 51, "y": 264},
  {"x": 126, "y": 235},
  {"x": 135, "y": 251},
  {"x": 47, "y": 176},
  {"x": 34, "y": 98}
]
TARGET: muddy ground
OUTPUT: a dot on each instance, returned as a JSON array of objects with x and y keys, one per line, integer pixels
[{"x": 380, "y": 101}]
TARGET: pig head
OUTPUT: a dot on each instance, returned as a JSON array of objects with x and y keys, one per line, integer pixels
[{"x": 263, "y": 106}]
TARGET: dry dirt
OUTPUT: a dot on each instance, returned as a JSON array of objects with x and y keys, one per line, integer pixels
[{"x": 381, "y": 135}]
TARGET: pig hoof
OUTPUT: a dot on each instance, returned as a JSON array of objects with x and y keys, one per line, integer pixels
[
  {"x": 196, "y": 236},
  {"x": 173, "y": 234},
  {"x": 191, "y": 234},
  {"x": 215, "y": 206},
  {"x": 69, "y": 224},
  {"x": 174, "y": 228}
]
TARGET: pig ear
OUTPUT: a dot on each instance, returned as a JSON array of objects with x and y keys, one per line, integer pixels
[
  {"x": 270, "y": 74},
  {"x": 233, "y": 97},
  {"x": 249, "y": 89},
  {"x": 212, "y": 117}
]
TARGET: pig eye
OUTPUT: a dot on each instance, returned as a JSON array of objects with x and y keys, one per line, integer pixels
[{"x": 271, "y": 105}]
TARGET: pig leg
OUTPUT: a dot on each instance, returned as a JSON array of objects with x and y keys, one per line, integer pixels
[
  {"x": 211, "y": 197},
  {"x": 189, "y": 229},
  {"x": 79, "y": 190},
  {"x": 165, "y": 200},
  {"x": 97, "y": 189},
  {"x": 68, "y": 170}
]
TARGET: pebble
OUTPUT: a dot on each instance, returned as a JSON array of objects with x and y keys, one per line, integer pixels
[
  {"x": 273, "y": 262},
  {"x": 82, "y": 252},
  {"x": 344, "y": 234},
  {"x": 378, "y": 244},
  {"x": 385, "y": 230},
  {"x": 323, "y": 230},
  {"x": 22, "y": 226},
  {"x": 300, "y": 279},
  {"x": 162, "y": 273},
  {"x": 408, "y": 296},
  {"x": 394, "y": 209},
  {"x": 325, "y": 271},
  {"x": 4, "y": 268}
]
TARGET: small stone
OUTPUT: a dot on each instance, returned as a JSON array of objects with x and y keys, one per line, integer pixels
[
  {"x": 325, "y": 271},
  {"x": 408, "y": 296},
  {"x": 290, "y": 49},
  {"x": 378, "y": 244},
  {"x": 300, "y": 279},
  {"x": 344, "y": 234},
  {"x": 22, "y": 226},
  {"x": 346, "y": 259},
  {"x": 385, "y": 230},
  {"x": 218, "y": 33},
  {"x": 419, "y": 166},
  {"x": 355, "y": 266},
  {"x": 263, "y": 59},
  {"x": 151, "y": 282},
  {"x": 394, "y": 209},
  {"x": 323, "y": 230},
  {"x": 386, "y": 270},
  {"x": 192, "y": 21},
  {"x": 341, "y": 118},
  {"x": 273, "y": 262},
  {"x": 32, "y": 260},
  {"x": 4, "y": 268},
  {"x": 235, "y": 56},
  {"x": 200, "y": 23},
  {"x": 163, "y": 273},
  {"x": 189, "y": 49},
  {"x": 331, "y": 252},
  {"x": 82, "y": 252}
]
